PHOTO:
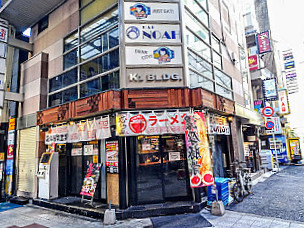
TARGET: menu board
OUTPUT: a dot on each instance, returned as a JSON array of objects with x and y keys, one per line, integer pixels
[{"x": 112, "y": 156}]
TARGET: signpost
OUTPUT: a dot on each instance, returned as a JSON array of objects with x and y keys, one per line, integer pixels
[{"x": 268, "y": 111}]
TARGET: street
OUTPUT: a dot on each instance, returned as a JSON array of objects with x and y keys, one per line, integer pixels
[{"x": 277, "y": 201}]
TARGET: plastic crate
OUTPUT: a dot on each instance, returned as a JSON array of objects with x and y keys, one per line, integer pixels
[
  {"x": 221, "y": 197},
  {"x": 222, "y": 189}
]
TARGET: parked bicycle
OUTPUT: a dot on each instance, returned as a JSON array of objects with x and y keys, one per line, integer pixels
[{"x": 243, "y": 184}]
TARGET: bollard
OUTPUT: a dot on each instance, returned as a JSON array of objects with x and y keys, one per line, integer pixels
[{"x": 109, "y": 216}]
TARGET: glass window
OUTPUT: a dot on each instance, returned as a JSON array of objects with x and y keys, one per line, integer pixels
[
  {"x": 55, "y": 99},
  {"x": 198, "y": 64},
  {"x": 223, "y": 91},
  {"x": 203, "y": 3},
  {"x": 217, "y": 60},
  {"x": 71, "y": 41},
  {"x": 91, "y": 87},
  {"x": 197, "y": 80},
  {"x": 197, "y": 27},
  {"x": 113, "y": 38},
  {"x": 70, "y": 59},
  {"x": 63, "y": 80},
  {"x": 43, "y": 24},
  {"x": 99, "y": 25},
  {"x": 198, "y": 46},
  {"x": 197, "y": 10},
  {"x": 91, "y": 49},
  {"x": 222, "y": 78},
  {"x": 216, "y": 44},
  {"x": 69, "y": 94},
  {"x": 95, "y": 8},
  {"x": 105, "y": 43}
]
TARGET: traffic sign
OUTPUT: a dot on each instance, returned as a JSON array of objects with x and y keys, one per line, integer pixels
[
  {"x": 267, "y": 111},
  {"x": 269, "y": 125}
]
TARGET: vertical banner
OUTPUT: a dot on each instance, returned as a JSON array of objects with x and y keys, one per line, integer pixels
[
  {"x": 112, "y": 156},
  {"x": 10, "y": 156},
  {"x": 263, "y": 42},
  {"x": 283, "y": 102},
  {"x": 91, "y": 179},
  {"x": 198, "y": 153}
]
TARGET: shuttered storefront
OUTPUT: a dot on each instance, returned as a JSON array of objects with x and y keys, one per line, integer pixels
[{"x": 26, "y": 161}]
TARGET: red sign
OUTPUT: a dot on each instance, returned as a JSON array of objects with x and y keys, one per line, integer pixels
[
  {"x": 267, "y": 111},
  {"x": 269, "y": 125},
  {"x": 138, "y": 123},
  {"x": 253, "y": 62},
  {"x": 263, "y": 42},
  {"x": 10, "y": 152}
]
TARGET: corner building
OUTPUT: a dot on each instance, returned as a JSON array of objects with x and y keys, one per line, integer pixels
[{"x": 105, "y": 65}]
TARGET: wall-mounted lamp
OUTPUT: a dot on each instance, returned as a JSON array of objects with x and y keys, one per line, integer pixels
[{"x": 230, "y": 119}]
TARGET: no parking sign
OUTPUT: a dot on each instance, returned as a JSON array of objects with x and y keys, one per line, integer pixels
[{"x": 268, "y": 111}]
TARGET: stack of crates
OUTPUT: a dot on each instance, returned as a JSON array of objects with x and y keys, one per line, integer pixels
[{"x": 222, "y": 189}]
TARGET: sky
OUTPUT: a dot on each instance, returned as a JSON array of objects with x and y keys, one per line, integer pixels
[{"x": 286, "y": 22}]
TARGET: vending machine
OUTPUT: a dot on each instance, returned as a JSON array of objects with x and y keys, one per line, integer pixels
[
  {"x": 294, "y": 149},
  {"x": 48, "y": 176}
]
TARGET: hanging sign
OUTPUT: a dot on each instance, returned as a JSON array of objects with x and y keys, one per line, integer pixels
[
  {"x": 253, "y": 62},
  {"x": 218, "y": 125},
  {"x": 147, "y": 11},
  {"x": 258, "y": 105},
  {"x": 268, "y": 111},
  {"x": 263, "y": 42},
  {"x": 152, "y": 123},
  {"x": 270, "y": 89},
  {"x": 198, "y": 152},
  {"x": 57, "y": 134},
  {"x": 283, "y": 102},
  {"x": 91, "y": 179},
  {"x": 276, "y": 129},
  {"x": 112, "y": 156},
  {"x": 269, "y": 125}
]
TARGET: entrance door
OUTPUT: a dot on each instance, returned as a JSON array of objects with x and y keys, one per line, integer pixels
[{"x": 161, "y": 171}]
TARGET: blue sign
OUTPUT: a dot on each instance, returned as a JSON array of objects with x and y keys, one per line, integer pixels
[
  {"x": 163, "y": 54},
  {"x": 289, "y": 65},
  {"x": 270, "y": 89},
  {"x": 269, "y": 125},
  {"x": 281, "y": 148},
  {"x": 9, "y": 167}
]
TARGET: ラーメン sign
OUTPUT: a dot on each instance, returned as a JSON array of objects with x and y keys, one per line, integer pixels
[
  {"x": 152, "y": 123},
  {"x": 148, "y": 11}
]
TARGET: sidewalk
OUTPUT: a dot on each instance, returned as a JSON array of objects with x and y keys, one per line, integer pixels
[{"x": 233, "y": 219}]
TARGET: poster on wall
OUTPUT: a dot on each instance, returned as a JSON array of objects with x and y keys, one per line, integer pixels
[
  {"x": 151, "y": 11},
  {"x": 153, "y": 55},
  {"x": 198, "y": 152},
  {"x": 91, "y": 179},
  {"x": 270, "y": 89},
  {"x": 294, "y": 145},
  {"x": 263, "y": 42},
  {"x": 112, "y": 156},
  {"x": 152, "y": 123}
]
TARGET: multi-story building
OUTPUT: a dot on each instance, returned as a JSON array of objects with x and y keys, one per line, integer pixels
[{"x": 110, "y": 82}]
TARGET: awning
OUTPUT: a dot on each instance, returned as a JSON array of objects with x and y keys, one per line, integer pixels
[
  {"x": 252, "y": 117},
  {"x": 24, "y": 13}
]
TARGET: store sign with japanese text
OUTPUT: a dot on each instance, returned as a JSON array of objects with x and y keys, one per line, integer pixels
[
  {"x": 112, "y": 156},
  {"x": 270, "y": 89},
  {"x": 152, "y": 33},
  {"x": 91, "y": 179},
  {"x": 152, "y": 123},
  {"x": 263, "y": 42},
  {"x": 153, "y": 55},
  {"x": 253, "y": 62},
  {"x": 283, "y": 102},
  {"x": 291, "y": 75},
  {"x": 258, "y": 105},
  {"x": 289, "y": 65},
  {"x": 198, "y": 152},
  {"x": 3, "y": 34},
  {"x": 86, "y": 130},
  {"x": 146, "y": 77},
  {"x": 218, "y": 125},
  {"x": 151, "y": 11}
]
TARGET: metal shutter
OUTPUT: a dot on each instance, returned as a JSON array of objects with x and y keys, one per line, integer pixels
[{"x": 26, "y": 160}]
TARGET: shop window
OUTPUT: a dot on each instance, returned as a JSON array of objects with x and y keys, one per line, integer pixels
[
  {"x": 196, "y": 27},
  {"x": 70, "y": 59},
  {"x": 200, "y": 65},
  {"x": 95, "y": 8},
  {"x": 71, "y": 41},
  {"x": 198, "y": 46},
  {"x": 43, "y": 24},
  {"x": 197, "y": 80}
]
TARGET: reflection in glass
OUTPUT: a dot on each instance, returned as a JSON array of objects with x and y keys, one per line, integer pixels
[
  {"x": 200, "y": 65},
  {"x": 198, "y": 46},
  {"x": 197, "y": 80},
  {"x": 69, "y": 94},
  {"x": 70, "y": 59},
  {"x": 197, "y": 27},
  {"x": 91, "y": 49},
  {"x": 222, "y": 78},
  {"x": 223, "y": 92},
  {"x": 65, "y": 79},
  {"x": 71, "y": 41}
]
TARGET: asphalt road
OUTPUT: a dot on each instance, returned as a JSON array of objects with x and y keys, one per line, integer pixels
[{"x": 280, "y": 196}]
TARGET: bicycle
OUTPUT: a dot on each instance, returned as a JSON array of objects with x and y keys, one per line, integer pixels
[{"x": 243, "y": 183}]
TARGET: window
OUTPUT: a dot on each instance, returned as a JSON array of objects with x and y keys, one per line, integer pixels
[
  {"x": 195, "y": 43},
  {"x": 43, "y": 24},
  {"x": 197, "y": 27},
  {"x": 70, "y": 59},
  {"x": 217, "y": 60},
  {"x": 63, "y": 97},
  {"x": 198, "y": 11},
  {"x": 223, "y": 92},
  {"x": 222, "y": 78},
  {"x": 197, "y": 80},
  {"x": 199, "y": 65},
  {"x": 216, "y": 45},
  {"x": 94, "y": 8},
  {"x": 71, "y": 41},
  {"x": 226, "y": 17},
  {"x": 63, "y": 80}
]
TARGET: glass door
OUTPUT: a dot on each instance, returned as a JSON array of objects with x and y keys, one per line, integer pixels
[
  {"x": 76, "y": 168},
  {"x": 175, "y": 176}
]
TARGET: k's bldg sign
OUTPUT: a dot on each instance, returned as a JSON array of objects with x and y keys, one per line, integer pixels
[
  {"x": 161, "y": 77},
  {"x": 152, "y": 33},
  {"x": 151, "y": 11}
]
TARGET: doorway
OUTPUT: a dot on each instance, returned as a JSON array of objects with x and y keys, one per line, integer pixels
[{"x": 161, "y": 172}]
